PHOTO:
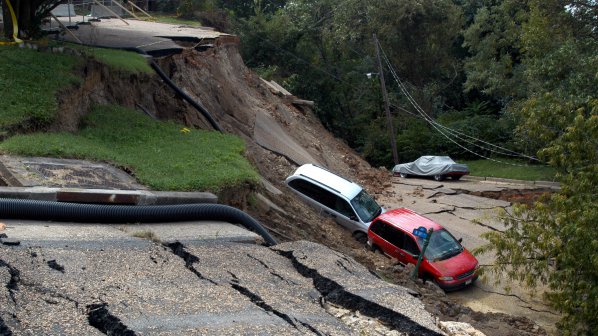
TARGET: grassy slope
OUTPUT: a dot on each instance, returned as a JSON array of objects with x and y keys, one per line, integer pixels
[
  {"x": 160, "y": 154},
  {"x": 512, "y": 169},
  {"x": 29, "y": 82},
  {"x": 118, "y": 59}
]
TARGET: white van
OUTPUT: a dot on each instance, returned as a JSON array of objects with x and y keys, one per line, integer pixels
[{"x": 345, "y": 201}]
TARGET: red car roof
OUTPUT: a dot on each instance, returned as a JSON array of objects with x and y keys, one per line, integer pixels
[{"x": 408, "y": 220}]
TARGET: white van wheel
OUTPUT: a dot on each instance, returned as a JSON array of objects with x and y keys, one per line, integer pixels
[{"x": 360, "y": 237}]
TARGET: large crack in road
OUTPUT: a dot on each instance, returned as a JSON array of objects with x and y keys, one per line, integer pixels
[
  {"x": 100, "y": 318},
  {"x": 333, "y": 292},
  {"x": 258, "y": 301},
  {"x": 15, "y": 278},
  {"x": 178, "y": 249},
  {"x": 4, "y": 330}
]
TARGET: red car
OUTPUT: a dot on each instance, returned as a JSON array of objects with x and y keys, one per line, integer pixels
[{"x": 446, "y": 261}]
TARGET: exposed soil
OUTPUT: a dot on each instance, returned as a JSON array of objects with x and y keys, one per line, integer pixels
[{"x": 235, "y": 96}]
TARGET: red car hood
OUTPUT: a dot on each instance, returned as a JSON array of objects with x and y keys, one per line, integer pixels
[{"x": 459, "y": 264}]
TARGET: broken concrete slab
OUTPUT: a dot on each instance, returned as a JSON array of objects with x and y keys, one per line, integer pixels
[
  {"x": 191, "y": 232},
  {"x": 107, "y": 196},
  {"x": 269, "y": 134},
  {"x": 425, "y": 208},
  {"x": 270, "y": 187},
  {"x": 442, "y": 191},
  {"x": 424, "y": 183},
  {"x": 64, "y": 173},
  {"x": 30, "y": 233},
  {"x": 465, "y": 201},
  {"x": 485, "y": 217}
]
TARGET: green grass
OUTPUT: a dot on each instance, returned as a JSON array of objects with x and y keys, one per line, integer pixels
[
  {"x": 160, "y": 154},
  {"x": 119, "y": 59},
  {"x": 29, "y": 83},
  {"x": 175, "y": 20},
  {"x": 512, "y": 169}
]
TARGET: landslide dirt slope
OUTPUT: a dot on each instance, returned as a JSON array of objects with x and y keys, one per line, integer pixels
[{"x": 279, "y": 137}]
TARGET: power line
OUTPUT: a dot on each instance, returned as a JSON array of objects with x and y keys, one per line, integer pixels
[
  {"x": 453, "y": 132},
  {"x": 447, "y": 133}
]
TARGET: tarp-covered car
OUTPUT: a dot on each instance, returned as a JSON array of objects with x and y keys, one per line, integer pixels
[{"x": 440, "y": 167}]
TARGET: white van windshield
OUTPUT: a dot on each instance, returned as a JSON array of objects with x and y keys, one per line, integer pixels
[{"x": 367, "y": 209}]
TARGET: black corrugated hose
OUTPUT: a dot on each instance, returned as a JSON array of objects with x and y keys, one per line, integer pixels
[
  {"x": 101, "y": 213},
  {"x": 185, "y": 96}
]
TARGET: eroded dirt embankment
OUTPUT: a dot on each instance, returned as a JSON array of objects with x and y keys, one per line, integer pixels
[
  {"x": 274, "y": 130},
  {"x": 279, "y": 136}
]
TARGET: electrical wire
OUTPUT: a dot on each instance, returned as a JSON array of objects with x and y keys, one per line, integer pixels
[
  {"x": 438, "y": 127},
  {"x": 447, "y": 132}
]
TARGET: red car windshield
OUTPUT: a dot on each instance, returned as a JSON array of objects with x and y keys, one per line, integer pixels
[{"x": 442, "y": 246}]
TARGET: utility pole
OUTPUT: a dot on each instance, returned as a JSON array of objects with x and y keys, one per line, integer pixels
[{"x": 393, "y": 141}]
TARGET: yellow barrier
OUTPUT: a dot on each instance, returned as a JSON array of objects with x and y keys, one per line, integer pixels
[{"x": 15, "y": 26}]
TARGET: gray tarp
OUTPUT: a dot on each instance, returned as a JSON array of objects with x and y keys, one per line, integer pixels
[{"x": 430, "y": 165}]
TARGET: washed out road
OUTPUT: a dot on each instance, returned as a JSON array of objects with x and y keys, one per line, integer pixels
[{"x": 457, "y": 206}]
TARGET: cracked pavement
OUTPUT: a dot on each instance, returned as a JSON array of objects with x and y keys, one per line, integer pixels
[
  {"x": 188, "y": 279},
  {"x": 458, "y": 206}
]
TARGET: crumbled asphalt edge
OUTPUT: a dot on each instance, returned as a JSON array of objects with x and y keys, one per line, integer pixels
[
  {"x": 179, "y": 249},
  {"x": 100, "y": 318},
  {"x": 333, "y": 292},
  {"x": 55, "y": 266}
]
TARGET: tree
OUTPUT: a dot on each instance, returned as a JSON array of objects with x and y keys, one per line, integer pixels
[
  {"x": 29, "y": 14},
  {"x": 493, "y": 39},
  {"x": 555, "y": 241}
]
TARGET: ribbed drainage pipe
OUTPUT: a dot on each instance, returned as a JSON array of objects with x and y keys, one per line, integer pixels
[
  {"x": 100, "y": 213},
  {"x": 185, "y": 96}
]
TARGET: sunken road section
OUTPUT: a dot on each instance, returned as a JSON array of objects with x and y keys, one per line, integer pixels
[{"x": 76, "y": 279}]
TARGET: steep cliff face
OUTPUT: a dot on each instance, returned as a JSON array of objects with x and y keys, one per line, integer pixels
[{"x": 275, "y": 130}]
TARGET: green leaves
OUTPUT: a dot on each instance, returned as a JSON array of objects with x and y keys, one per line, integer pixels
[{"x": 554, "y": 241}]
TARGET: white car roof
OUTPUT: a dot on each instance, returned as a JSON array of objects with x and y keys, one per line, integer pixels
[{"x": 327, "y": 178}]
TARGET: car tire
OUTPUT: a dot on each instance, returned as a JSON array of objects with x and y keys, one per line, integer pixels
[
  {"x": 456, "y": 177},
  {"x": 360, "y": 237},
  {"x": 403, "y": 175},
  {"x": 439, "y": 177}
]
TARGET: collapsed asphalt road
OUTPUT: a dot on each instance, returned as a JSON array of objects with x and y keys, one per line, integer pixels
[{"x": 189, "y": 278}]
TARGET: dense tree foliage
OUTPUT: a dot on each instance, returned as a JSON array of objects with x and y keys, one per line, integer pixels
[{"x": 555, "y": 242}]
